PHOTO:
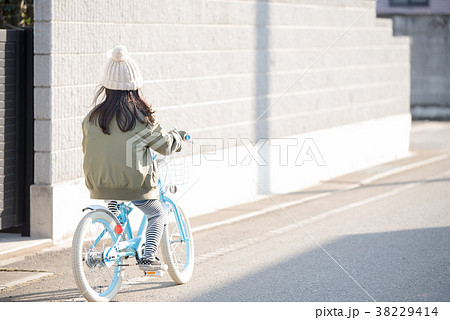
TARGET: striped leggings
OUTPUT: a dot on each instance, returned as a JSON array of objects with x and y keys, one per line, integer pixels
[{"x": 155, "y": 215}]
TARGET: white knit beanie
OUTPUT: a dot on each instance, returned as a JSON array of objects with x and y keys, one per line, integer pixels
[{"x": 121, "y": 72}]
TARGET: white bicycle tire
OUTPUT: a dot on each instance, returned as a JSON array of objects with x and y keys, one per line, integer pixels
[
  {"x": 77, "y": 261},
  {"x": 183, "y": 276}
]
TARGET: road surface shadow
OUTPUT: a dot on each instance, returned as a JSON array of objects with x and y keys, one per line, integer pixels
[
  {"x": 411, "y": 265},
  {"x": 74, "y": 294},
  {"x": 53, "y": 295},
  {"x": 146, "y": 286}
]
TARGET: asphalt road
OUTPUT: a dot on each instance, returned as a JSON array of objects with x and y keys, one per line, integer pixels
[{"x": 385, "y": 241}]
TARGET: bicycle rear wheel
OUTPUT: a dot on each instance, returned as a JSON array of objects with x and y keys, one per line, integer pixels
[
  {"x": 178, "y": 254},
  {"x": 97, "y": 277}
]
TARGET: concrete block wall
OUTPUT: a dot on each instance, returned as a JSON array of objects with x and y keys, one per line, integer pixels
[
  {"x": 434, "y": 7},
  {"x": 213, "y": 68},
  {"x": 430, "y": 63}
]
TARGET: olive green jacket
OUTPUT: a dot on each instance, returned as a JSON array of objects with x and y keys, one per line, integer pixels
[{"x": 119, "y": 166}]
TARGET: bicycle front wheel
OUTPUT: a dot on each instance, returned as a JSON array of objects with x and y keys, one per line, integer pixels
[
  {"x": 178, "y": 253},
  {"x": 97, "y": 277}
]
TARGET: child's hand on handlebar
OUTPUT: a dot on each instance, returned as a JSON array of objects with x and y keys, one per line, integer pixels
[{"x": 184, "y": 135}]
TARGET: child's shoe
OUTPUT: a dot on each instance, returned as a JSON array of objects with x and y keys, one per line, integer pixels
[{"x": 152, "y": 263}]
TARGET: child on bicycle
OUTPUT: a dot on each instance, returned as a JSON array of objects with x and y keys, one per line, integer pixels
[{"x": 118, "y": 134}]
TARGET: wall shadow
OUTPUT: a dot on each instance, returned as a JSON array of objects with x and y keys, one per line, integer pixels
[
  {"x": 262, "y": 66},
  {"x": 409, "y": 265}
]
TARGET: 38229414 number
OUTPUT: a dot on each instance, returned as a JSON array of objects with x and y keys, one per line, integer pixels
[{"x": 406, "y": 312}]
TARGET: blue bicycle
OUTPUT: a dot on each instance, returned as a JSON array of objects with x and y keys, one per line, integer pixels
[{"x": 103, "y": 242}]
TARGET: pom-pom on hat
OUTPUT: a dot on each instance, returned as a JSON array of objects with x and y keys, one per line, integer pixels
[{"x": 121, "y": 72}]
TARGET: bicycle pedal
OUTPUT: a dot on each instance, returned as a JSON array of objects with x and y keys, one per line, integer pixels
[{"x": 156, "y": 273}]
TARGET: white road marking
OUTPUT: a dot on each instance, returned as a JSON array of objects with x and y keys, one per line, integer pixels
[{"x": 25, "y": 279}]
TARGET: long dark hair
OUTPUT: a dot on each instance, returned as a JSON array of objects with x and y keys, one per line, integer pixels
[{"x": 126, "y": 106}]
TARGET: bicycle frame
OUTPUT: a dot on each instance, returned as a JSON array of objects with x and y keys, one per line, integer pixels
[{"x": 126, "y": 248}]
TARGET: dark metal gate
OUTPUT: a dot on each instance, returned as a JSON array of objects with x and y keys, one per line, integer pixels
[{"x": 16, "y": 129}]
